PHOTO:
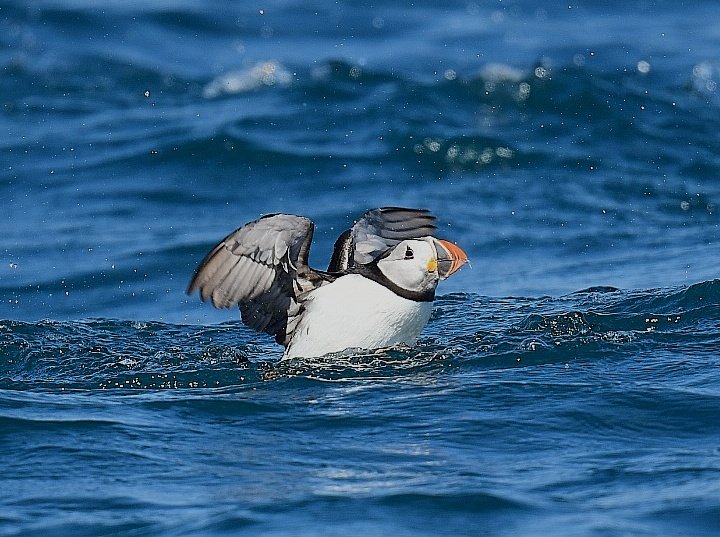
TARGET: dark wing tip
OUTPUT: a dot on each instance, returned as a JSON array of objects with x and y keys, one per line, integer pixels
[
  {"x": 399, "y": 222},
  {"x": 382, "y": 228},
  {"x": 394, "y": 208},
  {"x": 392, "y": 215}
]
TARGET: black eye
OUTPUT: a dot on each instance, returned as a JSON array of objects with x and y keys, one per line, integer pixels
[{"x": 409, "y": 253}]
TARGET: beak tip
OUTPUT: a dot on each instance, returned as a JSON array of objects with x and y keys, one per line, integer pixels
[{"x": 452, "y": 260}]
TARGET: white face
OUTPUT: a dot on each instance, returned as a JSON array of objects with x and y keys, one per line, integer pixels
[{"x": 412, "y": 265}]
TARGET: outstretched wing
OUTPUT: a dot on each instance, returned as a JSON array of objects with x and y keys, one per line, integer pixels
[
  {"x": 376, "y": 232},
  {"x": 262, "y": 267}
]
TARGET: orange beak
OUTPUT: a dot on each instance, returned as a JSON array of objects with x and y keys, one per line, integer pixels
[{"x": 450, "y": 258}]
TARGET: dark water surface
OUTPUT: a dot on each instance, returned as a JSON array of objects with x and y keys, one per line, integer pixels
[{"x": 567, "y": 384}]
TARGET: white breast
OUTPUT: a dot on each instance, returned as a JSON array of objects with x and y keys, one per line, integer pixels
[{"x": 355, "y": 312}]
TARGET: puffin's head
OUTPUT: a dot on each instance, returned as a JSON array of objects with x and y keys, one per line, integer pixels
[{"x": 417, "y": 265}]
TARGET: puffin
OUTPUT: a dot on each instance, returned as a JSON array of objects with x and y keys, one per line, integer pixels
[{"x": 376, "y": 293}]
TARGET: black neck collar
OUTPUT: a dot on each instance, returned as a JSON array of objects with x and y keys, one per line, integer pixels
[{"x": 373, "y": 272}]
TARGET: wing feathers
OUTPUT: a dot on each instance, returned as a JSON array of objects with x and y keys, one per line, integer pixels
[
  {"x": 220, "y": 294},
  {"x": 258, "y": 267},
  {"x": 376, "y": 232}
]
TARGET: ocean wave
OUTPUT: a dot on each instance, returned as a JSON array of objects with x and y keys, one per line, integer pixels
[
  {"x": 467, "y": 332},
  {"x": 548, "y": 114},
  {"x": 269, "y": 73}
]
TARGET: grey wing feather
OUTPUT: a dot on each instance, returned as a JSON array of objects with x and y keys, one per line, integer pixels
[
  {"x": 376, "y": 232},
  {"x": 262, "y": 268}
]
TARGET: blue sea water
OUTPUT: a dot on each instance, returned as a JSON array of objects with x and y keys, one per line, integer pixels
[{"x": 568, "y": 382}]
